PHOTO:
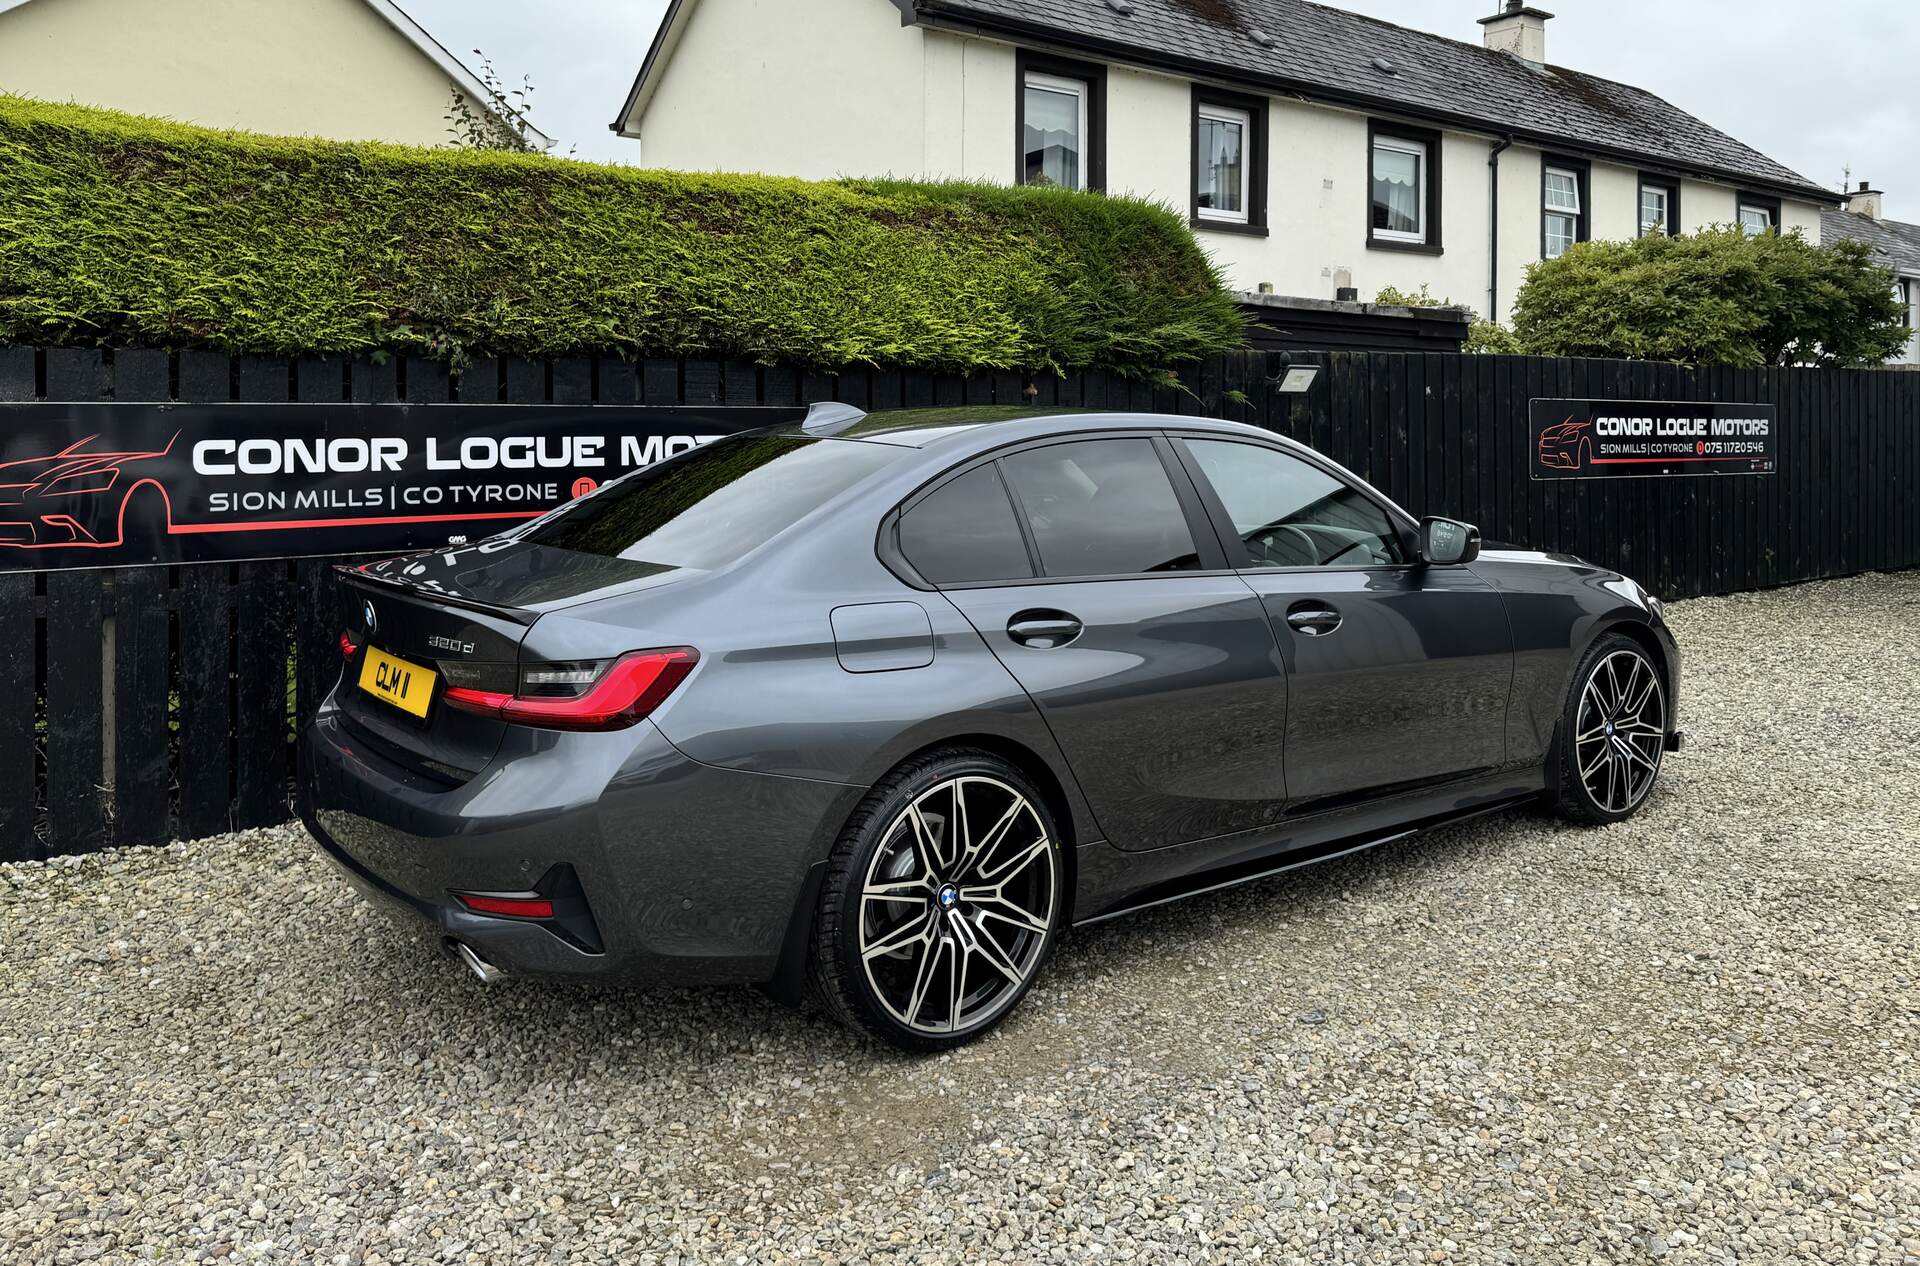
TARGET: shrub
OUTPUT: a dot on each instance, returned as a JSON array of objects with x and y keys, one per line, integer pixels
[
  {"x": 1714, "y": 297},
  {"x": 1484, "y": 337},
  {"x": 123, "y": 230}
]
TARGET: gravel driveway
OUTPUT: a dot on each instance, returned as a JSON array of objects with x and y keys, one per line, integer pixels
[{"x": 1692, "y": 1038}]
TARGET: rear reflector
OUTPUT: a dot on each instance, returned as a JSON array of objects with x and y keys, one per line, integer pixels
[
  {"x": 511, "y": 907},
  {"x": 347, "y": 648},
  {"x": 635, "y": 685}
]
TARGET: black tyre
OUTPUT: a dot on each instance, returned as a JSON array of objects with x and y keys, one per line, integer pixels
[
  {"x": 1612, "y": 734},
  {"x": 942, "y": 900}
]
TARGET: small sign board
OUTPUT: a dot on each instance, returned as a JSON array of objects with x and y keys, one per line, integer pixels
[
  {"x": 116, "y": 484},
  {"x": 1615, "y": 439}
]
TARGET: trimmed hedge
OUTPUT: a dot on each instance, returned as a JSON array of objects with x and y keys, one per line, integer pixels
[{"x": 130, "y": 231}]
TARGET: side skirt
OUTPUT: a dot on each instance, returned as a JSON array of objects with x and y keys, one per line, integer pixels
[{"x": 1114, "y": 882}]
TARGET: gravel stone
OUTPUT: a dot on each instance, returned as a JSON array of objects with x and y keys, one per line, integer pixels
[{"x": 1694, "y": 1037}]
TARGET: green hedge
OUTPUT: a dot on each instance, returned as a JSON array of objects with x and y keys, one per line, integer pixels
[{"x": 130, "y": 231}]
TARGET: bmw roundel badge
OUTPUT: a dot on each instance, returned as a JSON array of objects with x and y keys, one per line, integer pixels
[{"x": 373, "y": 620}]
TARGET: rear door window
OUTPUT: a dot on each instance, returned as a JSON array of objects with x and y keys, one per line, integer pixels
[
  {"x": 964, "y": 533},
  {"x": 1102, "y": 508},
  {"x": 714, "y": 504}
]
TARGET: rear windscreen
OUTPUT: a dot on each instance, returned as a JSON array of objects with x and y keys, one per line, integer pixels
[{"x": 712, "y": 505}]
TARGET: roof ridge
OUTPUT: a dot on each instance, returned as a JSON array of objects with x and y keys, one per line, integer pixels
[
  {"x": 1553, "y": 67},
  {"x": 1881, "y": 220},
  {"x": 1469, "y": 45}
]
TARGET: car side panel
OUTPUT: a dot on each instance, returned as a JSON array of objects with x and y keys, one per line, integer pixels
[
  {"x": 777, "y": 692},
  {"x": 1113, "y": 879},
  {"x": 1557, "y": 606},
  {"x": 1171, "y": 703}
]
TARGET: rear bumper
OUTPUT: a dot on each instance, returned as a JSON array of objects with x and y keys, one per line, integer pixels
[{"x": 693, "y": 874}]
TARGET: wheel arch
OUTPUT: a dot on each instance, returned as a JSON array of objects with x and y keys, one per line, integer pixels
[
  {"x": 1641, "y": 632},
  {"x": 788, "y": 984},
  {"x": 1634, "y": 627},
  {"x": 1053, "y": 790}
]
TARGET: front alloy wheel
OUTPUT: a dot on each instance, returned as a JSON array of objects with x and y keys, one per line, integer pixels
[
  {"x": 1618, "y": 728},
  {"x": 947, "y": 896}
]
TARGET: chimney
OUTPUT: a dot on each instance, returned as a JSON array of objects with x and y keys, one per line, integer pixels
[
  {"x": 1865, "y": 201},
  {"x": 1520, "y": 29}
]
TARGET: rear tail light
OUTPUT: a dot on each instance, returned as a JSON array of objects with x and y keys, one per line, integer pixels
[
  {"x": 348, "y": 647},
  {"x": 590, "y": 696}
]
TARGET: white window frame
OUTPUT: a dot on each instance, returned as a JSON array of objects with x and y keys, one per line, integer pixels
[
  {"x": 1422, "y": 154},
  {"x": 1244, "y": 120},
  {"x": 1080, "y": 90},
  {"x": 1548, "y": 208},
  {"x": 1666, "y": 208},
  {"x": 1910, "y": 294},
  {"x": 1740, "y": 213}
]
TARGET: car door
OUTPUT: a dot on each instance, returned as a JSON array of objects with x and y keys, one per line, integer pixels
[
  {"x": 1105, "y": 592},
  {"x": 1398, "y": 673}
]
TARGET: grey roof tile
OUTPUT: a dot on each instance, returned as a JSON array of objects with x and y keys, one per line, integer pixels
[
  {"x": 1331, "y": 51},
  {"x": 1895, "y": 244}
]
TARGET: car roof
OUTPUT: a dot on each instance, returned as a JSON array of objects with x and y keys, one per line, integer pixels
[{"x": 931, "y": 428}]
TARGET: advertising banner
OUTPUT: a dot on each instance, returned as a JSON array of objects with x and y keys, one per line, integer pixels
[
  {"x": 119, "y": 484},
  {"x": 1612, "y": 439}
]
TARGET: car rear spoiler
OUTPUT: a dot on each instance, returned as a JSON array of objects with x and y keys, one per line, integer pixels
[{"x": 353, "y": 575}]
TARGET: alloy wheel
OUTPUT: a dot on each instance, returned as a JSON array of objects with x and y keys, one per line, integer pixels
[
  {"x": 957, "y": 905},
  {"x": 1620, "y": 731}
]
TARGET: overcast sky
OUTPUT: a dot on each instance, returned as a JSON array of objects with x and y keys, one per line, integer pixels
[{"x": 1820, "y": 87}]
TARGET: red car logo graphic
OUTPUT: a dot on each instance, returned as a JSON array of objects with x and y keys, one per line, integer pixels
[
  {"x": 1568, "y": 446},
  {"x": 80, "y": 498}
]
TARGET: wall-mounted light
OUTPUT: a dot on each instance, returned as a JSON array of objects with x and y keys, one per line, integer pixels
[{"x": 1298, "y": 380}]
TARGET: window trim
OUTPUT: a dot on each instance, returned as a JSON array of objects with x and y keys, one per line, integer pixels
[
  {"x": 892, "y": 549},
  {"x": 1757, "y": 202},
  {"x": 1582, "y": 172},
  {"x": 1669, "y": 187},
  {"x": 1229, "y": 536},
  {"x": 1093, "y": 78},
  {"x": 1430, "y": 240},
  {"x": 1254, "y": 161}
]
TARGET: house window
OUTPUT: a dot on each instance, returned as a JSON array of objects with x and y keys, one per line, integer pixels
[
  {"x": 1403, "y": 209},
  {"x": 1659, "y": 208},
  {"x": 1910, "y": 301},
  {"x": 1229, "y": 161},
  {"x": 1056, "y": 132},
  {"x": 1563, "y": 208},
  {"x": 1758, "y": 215},
  {"x": 1059, "y": 126},
  {"x": 1221, "y": 192}
]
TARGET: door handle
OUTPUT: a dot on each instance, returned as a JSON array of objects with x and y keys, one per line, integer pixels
[
  {"x": 1043, "y": 630},
  {"x": 1313, "y": 619}
]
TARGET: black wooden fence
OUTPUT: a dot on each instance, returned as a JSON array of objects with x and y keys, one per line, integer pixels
[{"x": 144, "y": 704}]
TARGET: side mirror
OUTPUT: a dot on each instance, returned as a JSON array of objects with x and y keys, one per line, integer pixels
[{"x": 1448, "y": 542}]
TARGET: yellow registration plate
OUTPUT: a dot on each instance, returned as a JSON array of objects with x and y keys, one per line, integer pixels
[{"x": 408, "y": 687}]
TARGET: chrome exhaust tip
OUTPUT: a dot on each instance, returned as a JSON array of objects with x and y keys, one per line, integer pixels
[{"x": 486, "y": 973}]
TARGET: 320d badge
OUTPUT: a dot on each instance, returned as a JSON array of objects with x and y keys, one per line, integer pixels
[{"x": 881, "y": 705}]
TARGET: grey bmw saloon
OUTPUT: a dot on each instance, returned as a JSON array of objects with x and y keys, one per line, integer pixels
[{"x": 881, "y": 705}]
